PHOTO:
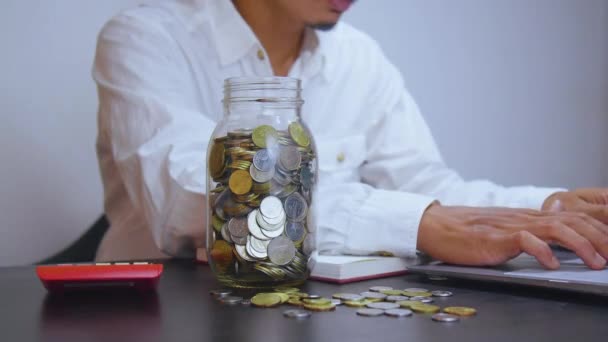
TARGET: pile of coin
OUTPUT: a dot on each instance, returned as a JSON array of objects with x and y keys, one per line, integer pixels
[
  {"x": 260, "y": 202},
  {"x": 374, "y": 302}
]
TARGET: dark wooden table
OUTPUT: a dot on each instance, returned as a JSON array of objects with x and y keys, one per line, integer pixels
[{"x": 183, "y": 310}]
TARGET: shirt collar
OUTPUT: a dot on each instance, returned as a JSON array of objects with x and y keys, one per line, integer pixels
[{"x": 234, "y": 39}]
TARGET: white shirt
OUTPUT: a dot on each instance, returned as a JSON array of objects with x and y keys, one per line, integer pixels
[{"x": 160, "y": 69}]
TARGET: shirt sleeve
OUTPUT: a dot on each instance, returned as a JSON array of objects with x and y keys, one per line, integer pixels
[
  {"x": 403, "y": 173},
  {"x": 158, "y": 137}
]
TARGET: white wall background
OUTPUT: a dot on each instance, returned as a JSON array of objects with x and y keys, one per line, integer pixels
[{"x": 514, "y": 90}]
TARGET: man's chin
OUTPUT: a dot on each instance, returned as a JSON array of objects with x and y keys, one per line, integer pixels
[{"x": 323, "y": 26}]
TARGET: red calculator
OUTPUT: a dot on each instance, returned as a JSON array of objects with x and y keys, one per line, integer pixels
[{"x": 66, "y": 277}]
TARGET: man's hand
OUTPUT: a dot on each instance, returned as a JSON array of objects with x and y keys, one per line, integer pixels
[
  {"x": 593, "y": 202},
  {"x": 491, "y": 236}
]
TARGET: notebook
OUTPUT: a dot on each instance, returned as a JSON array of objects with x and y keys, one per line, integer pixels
[{"x": 343, "y": 269}]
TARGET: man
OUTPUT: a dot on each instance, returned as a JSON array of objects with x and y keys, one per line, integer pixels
[{"x": 383, "y": 185}]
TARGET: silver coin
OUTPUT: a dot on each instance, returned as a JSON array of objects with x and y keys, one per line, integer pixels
[
  {"x": 336, "y": 302},
  {"x": 287, "y": 190},
  {"x": 261, "y": 176},
  {"x": 348, "y": 296},
  {"x": 254, "y": 253},
  {"x": 396, "y": 298},
  {"x": 281, "y": 251},
  {"x": 370, "y": 312},
  {"x": 271, "y": 207},
  {"x": 254, "y": 228},
  {"x": 246, "y": 302},
  {"x": 271, "y": 223},
  {"x": 312, "y": 296},
  {"x": 415, "y": 289},
  {"x": 231, "y": 300},
  {"x": 373, "y": 295},
  {"x": 296, "y": 314},
  {"x": 309, "y": 245},
  {"x": 257, "y": 244},
  {"x": 241, "y": 250},
  {"x": 383, "y": 305},
  {"x": 441, "y": 293},
  {"x": 380, "y": 288},
  {"x": 425, "y": 300},
  {"x": 220, "y": 293},
  {"x": 225, "y": 233},
  {"x": 306, "y": 177},
  {"x": 271, "y": 234},
  {"x": 398, "y": 312},
  {"x": 290, "y": 158},
  {"x": 239, "y": 240},
  {"x": 445, "y": 318},
  {"x": 264, "y": 161},
  {"x": 296, "y": 207},
  {"x": 237, "y": 227},
  {"x": 295, "y": 230}
]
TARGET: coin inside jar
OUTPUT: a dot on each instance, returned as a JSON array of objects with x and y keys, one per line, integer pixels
[
  {"x": 271, "y": 207},
  {"x": 296, "y": 207},
  {"x": 290, "y": 158},
  {"x": 281, "y": 250},
  {"x": 294, "y": 230},
  {"x": 263, "y": 160}
]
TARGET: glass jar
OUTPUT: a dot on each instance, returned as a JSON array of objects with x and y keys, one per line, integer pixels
[{"x": 261, "y": 177}]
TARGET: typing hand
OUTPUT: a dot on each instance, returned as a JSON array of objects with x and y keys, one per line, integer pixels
[
  {"x": 492, "y": 236},
  {"x": 592, "y": 201}
]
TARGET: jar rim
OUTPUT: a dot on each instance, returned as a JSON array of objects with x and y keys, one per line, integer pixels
[{"x": 288, "y": 83}]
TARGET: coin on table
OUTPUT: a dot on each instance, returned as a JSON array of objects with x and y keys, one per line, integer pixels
[
  {"x": 383, "y": 305},
  {"x": 266, "y": 300},
  {"x": 440, "y": 293},
  {"x": 391, "y": 292},
  {"x": 319, "y": 301},
  {"x": 336, "y": 302},
  {"x": 406, "y": 304},
  {"x": 396, "y": 298},
  {"x": 271, "y": 207},
  {"x": 425, "y": 300},
  {"x": 231, "y": 300},
  {"x": 424, "y": 308},
  {"x": 295, "y": 301},
  {"x": 284, "y": 296},
  {"x": 356, "y": 303},
  {"x": 380, "y": 288},
  {"x": 445, "y": 318},
  {"x": 373, "y": 295},
  {"x": 367, "y": 312},
  {"x": 281, "y": 250},
  {"x": 398, "y": 312},
  {"x": 298, "y": 294},
  {"x": 296, "y": 207},
  {"x": 296, "y": 314},
  {"x": 415, "y": 289},
  {"x": 220, "y": 293},
  {"x": 295, "y": 230},
  {"x": 298, "y": 134},
  {"x": 264, "y": 136},
  {"x": 240, "y": 182},
  {"x": 319, "y": 307},
  {"x": 416, "y": 294},
  {"x": 246, "y": 302},
  {"x": 312, "y": 296},
  {"x": 348, "y": 296},
  {"x": 460, "y": 310},
  {"x": 290, "y": 158}
]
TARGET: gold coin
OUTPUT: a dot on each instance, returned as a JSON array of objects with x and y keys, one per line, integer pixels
[
  {"x": 460, "y": 311},
  {"x": 221, "y": 252},
  {"x": 318, "y": 301},
  {"x": 298, "y": 134},
  {"x": 240, "y": 182},
  {"x": 264, "y": 134},
  {"x": 284, "y": 296},
  {"x": 356, "y": 303},
  {"x": 288, "y": 290},
  {"x": 319, "y": 307},
  {"x": 424, "y": 308},
  {"x": 406, "y": 304},
  {"x": 391, "y": 292},
  {"x": 295, "y": 301},
  {"x": 217, "y": 159},
  {"x": 266, "y": 300},
  {"x": 217, "y": 223}
]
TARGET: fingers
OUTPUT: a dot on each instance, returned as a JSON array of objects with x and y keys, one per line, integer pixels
[
  {"x": 597, "y": 211},
  {"x": 526, "y": 242},
  {"x": 571, "y": 239},
  {"x": 589, "y": 228}
]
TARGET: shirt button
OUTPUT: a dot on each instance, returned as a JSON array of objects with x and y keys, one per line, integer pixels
[
  {"x": 261, "y": 55},
  {"x": 340, "y": 158}
]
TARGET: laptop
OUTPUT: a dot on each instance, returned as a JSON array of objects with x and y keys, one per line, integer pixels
[{"x": 572, "y": 275}]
